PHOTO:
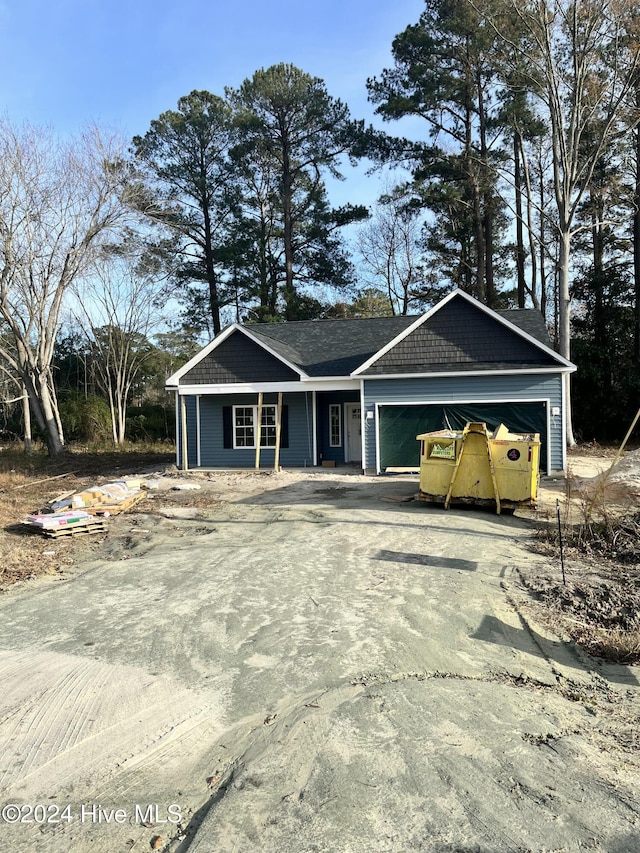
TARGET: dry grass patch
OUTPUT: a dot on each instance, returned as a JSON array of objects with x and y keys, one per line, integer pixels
[
  {"x": 599, "y": 605},
  {"x": 615, "y": 645}
]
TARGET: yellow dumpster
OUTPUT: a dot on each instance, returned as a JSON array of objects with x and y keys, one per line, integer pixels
[{"x": 476, "y": 466}]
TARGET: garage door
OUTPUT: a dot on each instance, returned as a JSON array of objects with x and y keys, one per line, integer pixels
[{"x": 399, "y": 426}]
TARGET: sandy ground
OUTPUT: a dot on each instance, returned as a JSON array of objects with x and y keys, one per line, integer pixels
[{"x": 307, "y": 662}]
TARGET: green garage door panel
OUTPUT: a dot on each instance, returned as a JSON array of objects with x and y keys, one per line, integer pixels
[{"x": 400, "y": 424}]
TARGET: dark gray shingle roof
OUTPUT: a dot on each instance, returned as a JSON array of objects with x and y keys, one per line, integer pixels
[
  {"x": 457, "y": 337},
  {"x": 530, "y": 321},
  {"x": 330, "y": 347}
]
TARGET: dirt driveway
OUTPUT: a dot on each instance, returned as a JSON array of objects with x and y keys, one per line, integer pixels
[{"x": 294, "y": 663}]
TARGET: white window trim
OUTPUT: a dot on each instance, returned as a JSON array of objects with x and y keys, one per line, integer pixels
[
  {"x": 254, "y": 418},
  {"x": 332, "y": 408}
]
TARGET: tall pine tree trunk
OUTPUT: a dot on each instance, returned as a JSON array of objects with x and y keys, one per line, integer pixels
[
  {"x": 564, "y": 320},
  {"x": 212, "y": 279},
  {"x": 541, "y": 245},
  {"x": 519, "y": 229},
  {"x": 287, "y": 211},
  {"x": 487, "y": 200},
  {"x": 636, "y": 237}
]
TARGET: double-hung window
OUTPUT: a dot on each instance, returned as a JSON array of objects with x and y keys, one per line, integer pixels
[
  {"x": 335, "y": 425},
  {"x": 245, "y": 419}
]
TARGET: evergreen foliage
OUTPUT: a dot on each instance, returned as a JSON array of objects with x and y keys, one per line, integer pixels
[
  {"x": 524, "y": 190},
  {"x": 85, "y": 419},
  {"x": 607, "y": 381}
]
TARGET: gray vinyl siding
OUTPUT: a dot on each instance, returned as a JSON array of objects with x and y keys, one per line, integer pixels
[
  {"x": 459, "y": 337},
  {"x": 238, "y": 359},
  {"x": 466, "y": 388},
  {"x": 192, "y": 435},
  {"x": 213, "y": 454},
  {"x": 324, "y": 400}
]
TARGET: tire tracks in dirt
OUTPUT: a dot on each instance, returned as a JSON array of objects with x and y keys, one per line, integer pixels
[{"x": 274, "y": 760}]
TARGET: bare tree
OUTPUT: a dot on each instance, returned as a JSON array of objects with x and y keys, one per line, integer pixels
[
  {"x": 118, "y": 307},
  {"x": 58, "y": 202},
  {"x": 390, "y": 252},
  {"x": 581, "y": 59},
  {"x": 12, "y": 390}
]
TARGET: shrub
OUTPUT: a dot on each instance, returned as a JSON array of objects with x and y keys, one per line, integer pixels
[
  {"x": 150, "y": 422},
  {"x": 85, "y": 418}
]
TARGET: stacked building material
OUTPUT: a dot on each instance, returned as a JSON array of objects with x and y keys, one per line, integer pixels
[
  {"x": 55, "y": 524},
  {"x": 109, "y": 499},
  {"x": 76, "y": 512}
]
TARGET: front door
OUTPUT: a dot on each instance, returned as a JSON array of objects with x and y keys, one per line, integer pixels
[{"x": 354, "y": 433}]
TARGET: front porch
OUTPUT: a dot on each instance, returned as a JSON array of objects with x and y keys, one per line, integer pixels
[{"x": 298, "y": 429}]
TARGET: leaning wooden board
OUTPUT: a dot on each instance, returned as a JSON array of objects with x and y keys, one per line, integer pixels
[{"x": 106, "y": 509}]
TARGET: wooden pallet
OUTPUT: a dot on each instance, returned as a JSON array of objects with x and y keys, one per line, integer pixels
[
  {"x": 94, "y": 526},
  {"x": 97, "y": 526}
]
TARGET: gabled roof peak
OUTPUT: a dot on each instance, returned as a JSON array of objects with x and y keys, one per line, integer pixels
[
  {"x": 460, "y": 354},
  {"x": 442, "y": 339}
]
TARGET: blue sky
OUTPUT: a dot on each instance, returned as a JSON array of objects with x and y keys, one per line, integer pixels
[{"x": 120, "y": 64}]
